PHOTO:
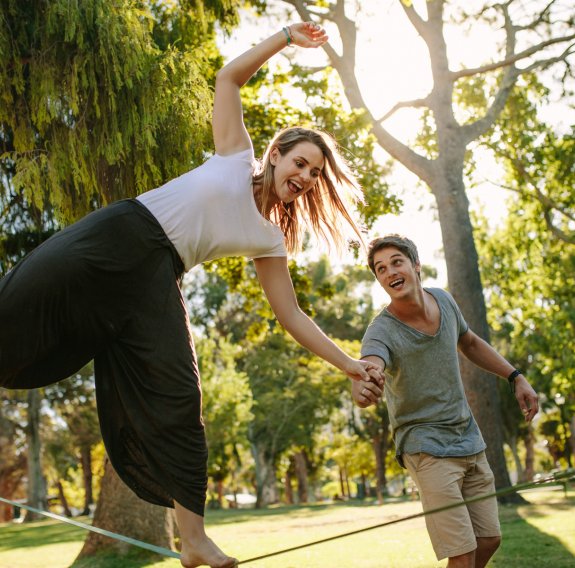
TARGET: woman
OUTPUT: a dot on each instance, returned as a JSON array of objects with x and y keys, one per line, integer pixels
[{"x": 107, "y": 288}]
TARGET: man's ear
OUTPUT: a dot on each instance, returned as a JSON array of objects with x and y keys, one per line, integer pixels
[{"x": 418, "y": 269}]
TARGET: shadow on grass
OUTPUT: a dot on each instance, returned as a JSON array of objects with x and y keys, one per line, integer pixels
[
  {"x": 30, "y": 535},
  {"x": 44, "y": 533},
  {"x": 133, "y": 559},
  {"x": 524, "y": 545},
  {"x": 227, "y": 516}
]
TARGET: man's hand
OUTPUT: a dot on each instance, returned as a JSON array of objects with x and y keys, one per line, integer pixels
[
  {"x": 367, "y": 393},
  {"x": 526, "y": 397}
]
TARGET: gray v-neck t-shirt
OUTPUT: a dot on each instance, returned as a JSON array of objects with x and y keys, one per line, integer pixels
[{"x": 423, "y": 390}]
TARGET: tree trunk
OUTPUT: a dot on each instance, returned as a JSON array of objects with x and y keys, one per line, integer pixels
[
  {"x": 572, "y": 435},
  {"x": 86, "y": 462},
  {"x": 300, "y": 462},
  {"x": 342, "y": 484},
  {"x": 379, "y": 452},
  {"x": 36, "y": 484},
  {"x": 288, "y": 485},
  {"x": 265, "y": 476},
  {"x": 63, "y": 500},
  {"x": 119, "y": 510},
  {"x": 529, "y": 441},
  {"x": 347, "y": 487},
  {"x": 220, "y": 492},
  {"x": 512, "y": 442},
  {"x": 465, "y": 285},
  {"x": 10, "y": 477}
]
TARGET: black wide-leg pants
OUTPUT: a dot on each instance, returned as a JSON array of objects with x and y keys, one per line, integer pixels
[{"x": 107, "y": 288}]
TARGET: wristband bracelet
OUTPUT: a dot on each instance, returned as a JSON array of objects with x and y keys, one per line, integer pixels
[
  {"x": 289, "y": 38},
  {"x": 511, "y": 379}
]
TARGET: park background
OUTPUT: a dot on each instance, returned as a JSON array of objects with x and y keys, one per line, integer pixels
[{"x": 105, "y": 99}]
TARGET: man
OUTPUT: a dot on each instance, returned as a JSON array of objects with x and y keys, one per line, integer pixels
[{"x": 417, "y": 338}]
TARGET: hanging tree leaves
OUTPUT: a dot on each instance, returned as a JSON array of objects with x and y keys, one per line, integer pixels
[{"x": 103, "y": 99}]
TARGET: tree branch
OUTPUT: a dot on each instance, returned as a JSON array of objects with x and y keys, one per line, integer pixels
[
  {"x": 561, "y": 235},
  {"x": 482, "y": 125},
  {"x": 539, "y": 19},
  {"x": 510, "y": 60},
  {"x": 416, "y": 20},
  {"x": 546, "y": 202},
  {"x": 416, "y": 103},
  {"x": 545, "y": 63}
]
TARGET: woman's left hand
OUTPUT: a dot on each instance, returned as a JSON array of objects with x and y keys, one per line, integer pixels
[
  {"x": 360, "y": 370},
  {"x": 307, "y": 34}
]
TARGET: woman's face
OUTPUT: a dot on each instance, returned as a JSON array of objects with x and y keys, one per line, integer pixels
[{"x": 297, "y": 171}]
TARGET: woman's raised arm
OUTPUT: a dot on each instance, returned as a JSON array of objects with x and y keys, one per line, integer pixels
[{"x": 229, "y": 131}]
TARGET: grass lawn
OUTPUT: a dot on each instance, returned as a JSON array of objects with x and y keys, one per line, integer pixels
[{"x": 539, "y": 534}]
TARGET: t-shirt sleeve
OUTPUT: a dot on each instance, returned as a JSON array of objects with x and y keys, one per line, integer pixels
[
  {"x": 373, "y": 342},
  {"x": 279, "y": 249}
]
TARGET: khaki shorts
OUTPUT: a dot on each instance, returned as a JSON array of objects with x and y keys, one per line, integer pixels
[{"x": 442, "y": 481}]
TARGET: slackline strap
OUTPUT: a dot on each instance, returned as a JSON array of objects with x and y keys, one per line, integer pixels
[
  {"x": 562, "y": 477},
  {"x": 129, "y": 540},
  {"x": 553, "y": 479}
]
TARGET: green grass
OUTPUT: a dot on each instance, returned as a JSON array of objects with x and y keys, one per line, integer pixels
[{"x": 540, "y": 533}]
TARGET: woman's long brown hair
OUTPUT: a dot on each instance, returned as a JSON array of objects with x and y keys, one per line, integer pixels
[{"x": 326, "y": 206}]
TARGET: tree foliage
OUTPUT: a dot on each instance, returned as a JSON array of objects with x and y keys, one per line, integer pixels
[
  {"x": 528, "y": 262},
  {"x": 226, "y": 401},
  {"x": 530, "y": 38},
  {"x": 103, "y": 99},
  {"x": 532, "y": 304}
]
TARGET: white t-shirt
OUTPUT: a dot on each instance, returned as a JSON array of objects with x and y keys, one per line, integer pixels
[{"x": 210, "y": 212}]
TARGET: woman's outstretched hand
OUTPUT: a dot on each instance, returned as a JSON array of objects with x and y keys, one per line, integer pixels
[
  {"x": 360, "y": 370},
  {"x": 307, "y": 34}
]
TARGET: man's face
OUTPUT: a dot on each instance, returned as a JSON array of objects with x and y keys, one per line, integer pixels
[{"x": 395, "y": 272}]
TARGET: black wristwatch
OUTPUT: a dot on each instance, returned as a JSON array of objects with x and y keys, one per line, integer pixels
[{"x": 511, "y": 378}]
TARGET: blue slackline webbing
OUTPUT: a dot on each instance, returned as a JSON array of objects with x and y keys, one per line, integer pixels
[{"x": 129, "y": 540}]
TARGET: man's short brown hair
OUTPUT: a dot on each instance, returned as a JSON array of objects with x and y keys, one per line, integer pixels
[{"x": 403, "y": 244}]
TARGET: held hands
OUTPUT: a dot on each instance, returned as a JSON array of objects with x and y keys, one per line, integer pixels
[
  {"x": 360, "y": 370},
  {"x": 307, "y": 34},
  {"x": 526, "y": 397},
  {"x": 367, "y": 382}
]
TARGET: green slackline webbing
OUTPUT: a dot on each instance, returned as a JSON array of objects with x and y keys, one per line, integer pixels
[
  {"x": 552, "y": 480},
  {"x": 560, "y": 477}
]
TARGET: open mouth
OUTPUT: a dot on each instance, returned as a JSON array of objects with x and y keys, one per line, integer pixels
[
  {"x": 397, "y": 283},
  {"x": 293, "y": 186}
]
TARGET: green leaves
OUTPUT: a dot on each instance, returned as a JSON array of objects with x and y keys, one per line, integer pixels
[{"x": 95, "y": 109}]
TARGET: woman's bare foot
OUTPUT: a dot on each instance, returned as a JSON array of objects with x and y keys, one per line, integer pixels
[
  {"x": 205, "y": 553},
  {"x": 197, "y": 548}
]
